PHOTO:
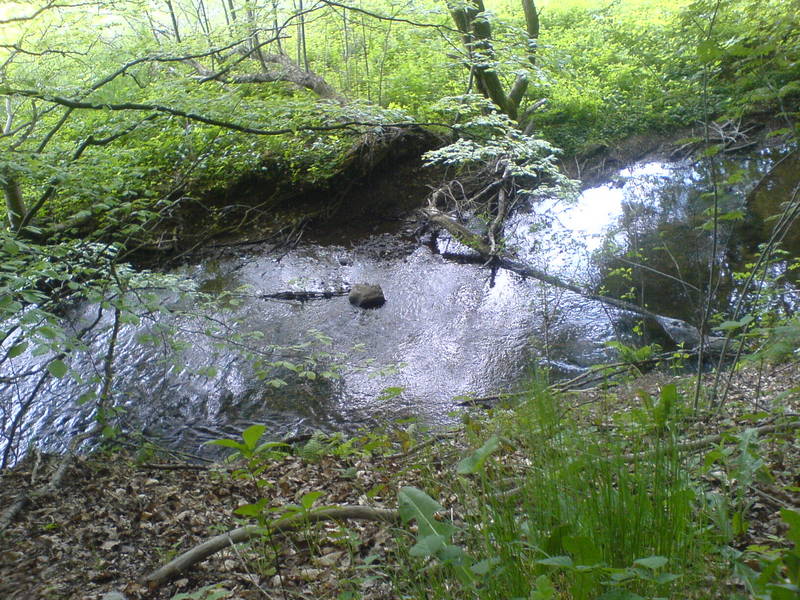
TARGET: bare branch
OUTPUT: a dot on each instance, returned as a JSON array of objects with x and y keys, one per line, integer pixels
[
  {"x": 21, "y": 50},
  {"x": 48, "y": 6},
  {"x": 381, "y": 17},
  {"x": 136, "y": 106}
]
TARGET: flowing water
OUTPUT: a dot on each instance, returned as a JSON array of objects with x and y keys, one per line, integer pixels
[{"x": 449, "y": 329}]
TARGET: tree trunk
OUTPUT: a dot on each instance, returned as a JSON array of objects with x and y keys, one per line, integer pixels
[
  {"x": 532, "y": 26},
  {"x": 174, "y": 18},
  {"x": 476, "y": 33},
  {"x": 15, "y": 205}
]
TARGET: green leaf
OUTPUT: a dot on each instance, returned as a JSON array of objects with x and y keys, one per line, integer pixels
[
  {"x": 792, "y": 519},
  {"x": 474, "y": 462},
  {"x": 57, "y": 368},
  {"x": 389, "y": 393},
  {"x": 484, "y": 566},
  {"x": 307, "y": 501},
  {"x": 666, "y": 578},
  {"x": 252, "y": 434},
  {"x": 618, "y": 594},
  {"x": 228, "y": 444},
  {"x": 47, "y": 332},
  {"x": 557, "y": 561},
  {"x": 86, "y": 397},
  {"x": 208, "y": 592},
  {"x": 414, "y": 504},
  {"x": 651, "y": 562},
  {"x": 252, "y": 510},
  {"x": 726, "y": 325},
  {"x": 428, "y": 545},
  {"x": 583, "y": 550},
  {"x": 544, "y": 589},
  {"x": 17, "y": 349},
  {"x": 280, "y": 447}
]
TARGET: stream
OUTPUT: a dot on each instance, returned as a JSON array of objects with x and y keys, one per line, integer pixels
[{"x": 448, "y": 331}]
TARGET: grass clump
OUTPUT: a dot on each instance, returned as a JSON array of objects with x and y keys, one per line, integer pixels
[{"x": 548, "y": 508}]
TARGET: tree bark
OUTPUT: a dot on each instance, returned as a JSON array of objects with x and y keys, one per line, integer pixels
[
  {"x": 488, "y": 254},
  {"x": 174, "y": 18},
  {"x": 15, "y": 205},
  {"x": 285, "y": 70},
  {"x": 532, "y": 26},
  {"x": 476, "y": 33}
]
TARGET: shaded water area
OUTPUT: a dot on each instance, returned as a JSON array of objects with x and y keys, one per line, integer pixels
[{"x": 449, "y": 329}]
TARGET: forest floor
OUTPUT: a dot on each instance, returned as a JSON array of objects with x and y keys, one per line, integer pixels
[{"x": 118, "y": 516}]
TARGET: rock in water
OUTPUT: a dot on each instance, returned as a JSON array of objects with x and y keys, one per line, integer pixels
[{"x": 366, "y": 296}]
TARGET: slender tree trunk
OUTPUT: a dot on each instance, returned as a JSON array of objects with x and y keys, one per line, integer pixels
[
  {"x": 303, "y": 36},
  {"x": 346, "y": 52},
  {"x": 276, "y": 26},
  {"x": 256, "y": 42},
  {"x": 202, "y": 17},
  {"x": 532, "y": 26},
  {"x": 232, "y": 10},
  {"x": 225, "y": 11},
  {"x": 366, "y": 58},
  {"x": 153, "y": 28},
  {"x": 476, "y": 33},
  {"x": 15, "y": 205},
  {"x": 299, "y": 46},
  {"x": 382, "y": 66},
  {"x": 174, "y": 18}
]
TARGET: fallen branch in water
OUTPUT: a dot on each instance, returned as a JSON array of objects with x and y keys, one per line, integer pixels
[
  {"x": 477, "y": 243},
  {"x": 302, "y": 296},
  {"x": 242, "y": 534}
]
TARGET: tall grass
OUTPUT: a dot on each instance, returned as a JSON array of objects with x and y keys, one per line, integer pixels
[{"x": 565, "y": 511}]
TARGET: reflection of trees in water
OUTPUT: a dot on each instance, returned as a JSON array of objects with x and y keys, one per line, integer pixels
[{"x": 665, "y": 228}]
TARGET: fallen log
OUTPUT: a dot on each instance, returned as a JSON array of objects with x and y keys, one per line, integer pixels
[
  {"x": 679, "y": 331},
  {"x": 242, "y": 534}
]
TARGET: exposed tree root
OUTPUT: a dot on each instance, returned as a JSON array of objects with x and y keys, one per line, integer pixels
[{"x": 243, "y": 534}]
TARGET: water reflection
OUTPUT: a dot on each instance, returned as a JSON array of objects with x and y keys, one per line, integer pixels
[{"x": 447, "y": 329}]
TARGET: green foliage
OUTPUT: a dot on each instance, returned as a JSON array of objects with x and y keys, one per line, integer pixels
[
  {"x": 488, "y": 139},
  {"x": 634, "y": 355},
  {"x": 777, "y": 575},
  {"x": 741, "y": 467},
  {"x": 581, "y": 520},
  {"x": 207, "y": 592},
  {"x": 434, "y": 534}
]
